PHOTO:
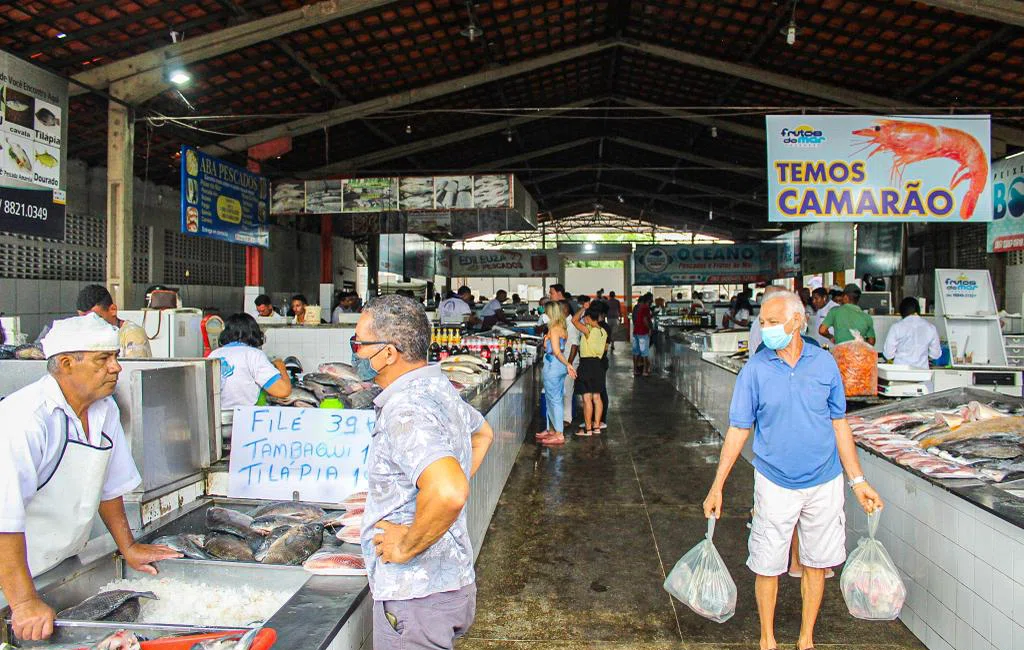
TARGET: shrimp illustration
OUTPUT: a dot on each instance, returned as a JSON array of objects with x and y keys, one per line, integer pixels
[{"x": 912, "y": 142}]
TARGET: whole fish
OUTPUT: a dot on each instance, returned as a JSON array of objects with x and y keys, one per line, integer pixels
[
  {"x": 308, "y": 512},
  {"x": 225, "y": 520},
  {"x": 335, "y": 563},
  {"x": 339, "y": 370},
  {"x": 300, "y": 397},
  {"x": 322, "y": 378},
  {"x": 294, "y": 546},
  {"x": 108, "y": 606},
  {"x": 1002, "y": 470},
  {"x": 189, "y": 545},
  {"x": 228, "y": 547},
  {"x": 47, "y": 118},
  {"x": 267, "y": 523},
  {"x": 332, "y": 519},
  {"x": 18, "y": 155},
  {"x": 46, "y": 159},
  {"x": 120, "y": 640},
  {"x": 1012, "y": 424},
  {"x": 322, "y": 392},
  {"x": 362, "y": 399},
  {"x": 996, "y": 448}
]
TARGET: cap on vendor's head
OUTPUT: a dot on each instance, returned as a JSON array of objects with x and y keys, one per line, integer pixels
[{"x": 88, "y": 333}]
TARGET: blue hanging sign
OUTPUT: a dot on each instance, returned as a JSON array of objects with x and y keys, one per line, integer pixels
[{"x": 223, "y": 201}]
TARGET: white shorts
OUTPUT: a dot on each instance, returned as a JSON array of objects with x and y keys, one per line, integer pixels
[{"x": 816, "y": 513}]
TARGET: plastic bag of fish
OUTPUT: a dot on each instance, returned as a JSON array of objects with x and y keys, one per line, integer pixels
[{"x": 871, "y": 585}]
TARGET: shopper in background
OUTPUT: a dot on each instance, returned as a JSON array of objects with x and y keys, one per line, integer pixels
[
  {"x": 614, "y": 317},
  {"x": 793, "y": 394},
  {"x": 493, "y": 312},
  {"x": 96, "y": 299},
  {"x": 245, "y": 369},
  {"x": 847, "y": 318},
  {"x": 298, "y": 308},
  {"x": 558, "y": 292},
  {"x": 556, "y": 368},
  {"x": 738, "y": 316},
  {"x": 591, "y": 380},
  {"x": 415, "y": 540},
  {"x": 913, "y": 340},
  {"x": 642, "y": 323},
  {"x": 457, "y": 309}
]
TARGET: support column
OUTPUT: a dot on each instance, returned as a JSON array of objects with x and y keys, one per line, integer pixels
[
  {"x": 372, "y": 266},
  {"x": 120, "y": 179},
  {"x": 326, "y": 264},
  {"x": 253, "y": 263}
]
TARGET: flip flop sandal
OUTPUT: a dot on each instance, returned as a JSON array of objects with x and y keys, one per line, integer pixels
[
  {"x": 584, "y": 434},
  {"x": 553, "y": 442}
]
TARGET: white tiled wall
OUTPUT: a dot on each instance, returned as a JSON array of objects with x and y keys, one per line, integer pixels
[
  {"x": 963, "y": 567},
  {"x": 311, "y": 345}
]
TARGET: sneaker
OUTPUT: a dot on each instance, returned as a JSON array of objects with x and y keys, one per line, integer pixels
[{"x": 604, "y": 425}]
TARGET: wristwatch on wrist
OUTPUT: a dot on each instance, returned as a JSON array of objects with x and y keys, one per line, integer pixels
[{"x": 856, "y": 480}]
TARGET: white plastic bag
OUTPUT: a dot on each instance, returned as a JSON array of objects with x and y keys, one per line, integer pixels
[
  {"x": 701, "y": 582},
  {"x": 870, "y": 583}
]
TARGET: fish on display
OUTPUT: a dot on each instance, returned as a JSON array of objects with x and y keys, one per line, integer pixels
[
  {"x": 354, "y": 517},
  {"x": 233, "y": 641},
  {"x": 350, "y": 534},
  {"x": 293, "y": 546},
  {"x": 308, "y": 512},
  {"x": 120, "y": 605},
  {"x": 998, "y": 448},
  {"x": 265, "y": 524},
  {"x": 299, "y": 398},
  {"x": 323, "y": 379},
  {"x": 362, "y": 399},
  {"x": 225, "y": 520},
  {"x": 355, "y": 500},
  {"x": 335, "y": 563},
  {"x": 228, "y": 547},
  {"x": 46, "y": 117},
  {"x": 1008, "y": 424},
  {"x": 1003, "y": 470},
  {"x": 120, "y": 640},
  {"x": 189, "y": 545},
  {"x": 332, "y": 519},
  {"x": 339, "y": 370}
]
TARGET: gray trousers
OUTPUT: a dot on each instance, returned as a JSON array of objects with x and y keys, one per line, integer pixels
[{"x": 432, "y": 622}]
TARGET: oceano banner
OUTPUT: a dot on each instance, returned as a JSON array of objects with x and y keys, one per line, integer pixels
[
  {"x": 710, "y": 264},
  {"x": 883, "y": 169}
]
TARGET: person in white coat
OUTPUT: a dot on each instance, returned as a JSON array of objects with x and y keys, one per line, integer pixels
[
  {"x": 913, "y": 340},
  {"x": 63, "y": 458}
]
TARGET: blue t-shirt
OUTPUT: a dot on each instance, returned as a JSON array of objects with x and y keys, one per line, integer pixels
[{"x": 793, "y": 408}]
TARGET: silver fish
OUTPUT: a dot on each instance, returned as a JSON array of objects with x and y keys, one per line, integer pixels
[
  {"x": 308, "y": 512},
  {"x": 225, "y": 520},
  {"x": 339, "y": 370},
  {"x": 47, "y": 118},
  {"x": 265, "y": 524},
  {"x": 293, "y": 546},
  {"x": 228, "y": 547},
  {"x": 119, "y": 605},
  {"x": 191, "y": 546}
]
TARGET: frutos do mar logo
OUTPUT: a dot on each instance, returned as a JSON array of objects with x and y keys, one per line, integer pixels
[{"x": 802, "y": 136}]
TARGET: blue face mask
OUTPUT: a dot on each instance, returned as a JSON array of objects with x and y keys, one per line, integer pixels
[
  {"x": 776, "y": 337},
  {"x": 363, "y": 368},
  {"x": 540, "y": 310}
]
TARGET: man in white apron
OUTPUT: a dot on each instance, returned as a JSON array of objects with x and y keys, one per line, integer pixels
[{"x": 63, "y": 458}]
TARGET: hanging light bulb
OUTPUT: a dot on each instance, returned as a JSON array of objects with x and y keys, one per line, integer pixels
[
  {"x": 711, "y": 215},
  {"x": 408, "y": 128},
  {"x": 791, "y": 33},
  {"x": 714, "y": 132},
  {"x": 508, "y": 134}
]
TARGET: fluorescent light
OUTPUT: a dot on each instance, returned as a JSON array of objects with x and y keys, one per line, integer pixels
[
  {"x": 62, "y": 35},
  {"x": 1014, "y": 155},
  {"x": 588, "y": 247},
  {"x": 179, "y": 77}
]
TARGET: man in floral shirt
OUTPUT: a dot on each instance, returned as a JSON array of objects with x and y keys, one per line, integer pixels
[{"x": 426, "y": 445}]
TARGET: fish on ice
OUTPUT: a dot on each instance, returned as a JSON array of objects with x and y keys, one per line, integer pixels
[
  {"x": 228, "y": 547},
  {"x": 120, "y": 605},
  {"x": 226, "y": 520},
  {"x": 189, "y": 545},
  {"x": 293, "y": 546},
  {"x": 308, "y": 512}
]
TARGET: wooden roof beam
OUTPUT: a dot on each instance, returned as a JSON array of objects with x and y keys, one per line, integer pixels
[
  {"x": 499, "y": 165},
  {"x": 142, "y": 75},
  {"x": 691, "y": 157},
  {"x": 720, "y": 124},
  {"x": 1010, "y": 12},
  {"x": 402, "y": 99}
]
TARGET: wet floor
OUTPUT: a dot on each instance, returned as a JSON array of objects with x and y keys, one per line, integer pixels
[{"x": 579, "y": 545}]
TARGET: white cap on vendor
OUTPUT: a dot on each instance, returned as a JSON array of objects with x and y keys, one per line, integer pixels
[{"x": 88, "y": 333}]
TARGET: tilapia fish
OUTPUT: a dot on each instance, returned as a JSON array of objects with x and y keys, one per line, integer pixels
[
  {"x": 308, "y": 512},
  {"x": 300, "y": 398},
  {"x": 339, "y": 370},
  {"x": 120, "y": 640},
  {"x": 225, "y": 520},
  {"x": 120, "y": 605},
  {"x": 47, "y": 118},
  {"x": 332, "y": 562},
  {"x": 267, "y": 523},
  {"x": 1013, "y": 424},
  {"x": 228, "y": 547},
  {"x": 323, "y": 379},
  {"x": 189, "y": 545},
  {"x": 332, "y": 519},
  {"x": 293, "y": 546}
]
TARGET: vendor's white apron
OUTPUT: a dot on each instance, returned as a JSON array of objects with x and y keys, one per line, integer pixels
[{"x": 59, "y": 517}]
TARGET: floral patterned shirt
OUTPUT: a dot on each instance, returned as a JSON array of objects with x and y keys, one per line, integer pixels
[{"x": 421, "y": 419}]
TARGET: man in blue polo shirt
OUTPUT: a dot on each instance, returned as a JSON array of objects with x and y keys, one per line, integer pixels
[{"x": 794, "y": 394}]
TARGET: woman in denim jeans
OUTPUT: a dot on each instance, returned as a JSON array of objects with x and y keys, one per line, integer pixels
[{"x": 556, "y": 366}]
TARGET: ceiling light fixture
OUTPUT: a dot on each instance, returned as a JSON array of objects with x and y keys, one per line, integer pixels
[
  {"x": 588, "y": 247},
  {"x": 714, "y": 132},
  {"x": 508, "y": 134},
  {"x": 472, "y": 30},
  {"x": 62, "y": 35},
  {"x": 711, "y": 215},
  {"x": 408, "y": 128},
  {"x": 179, "y": 76},
  {"x": 621, "y": 200},
  {"x": 791, "y": 29}
]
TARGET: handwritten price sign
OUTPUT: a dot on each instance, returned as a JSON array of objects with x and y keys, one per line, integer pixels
[{"x": 319, "y": 453}]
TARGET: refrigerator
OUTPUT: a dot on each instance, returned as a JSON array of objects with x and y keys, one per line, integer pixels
[{"x": 173, "y": 333}]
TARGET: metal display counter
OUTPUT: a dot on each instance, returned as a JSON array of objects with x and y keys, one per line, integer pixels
[{"x": 324, "y": 613}]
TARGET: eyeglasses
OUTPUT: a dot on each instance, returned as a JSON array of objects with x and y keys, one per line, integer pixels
[{"x": 357, "y": 345}]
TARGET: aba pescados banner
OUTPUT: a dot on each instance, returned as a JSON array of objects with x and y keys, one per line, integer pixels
[{"x": 882, "y": 169}]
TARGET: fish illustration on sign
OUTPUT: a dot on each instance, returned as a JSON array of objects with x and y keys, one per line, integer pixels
[
  {"x": 18, "y": 155},
  {"x": 46, "y": 159},
  {"x": 47, "y": 118},
  {"x": 911, "y": 142}
]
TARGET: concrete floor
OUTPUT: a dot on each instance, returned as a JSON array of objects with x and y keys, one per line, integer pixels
[{"x": 581, "y": 540}]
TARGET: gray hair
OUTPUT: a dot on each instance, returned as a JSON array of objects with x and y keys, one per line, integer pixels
[
  {"x": 53, "y": 363},
  {"x": 794, "y": 306},
  {"x": 400, "y": 320}
]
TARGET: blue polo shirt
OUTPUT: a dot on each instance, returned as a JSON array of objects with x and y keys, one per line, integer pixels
[{"x": 793, "y": 408}]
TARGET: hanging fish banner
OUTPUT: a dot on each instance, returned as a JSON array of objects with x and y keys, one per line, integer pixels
[
  {"x": 33, "y": 151},
  {"x": 223, "y": 201},
  {"x": 707, "y": 264},
  {"x": 886, "y": 169},
  {"x": 1006, "y": 231}
]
